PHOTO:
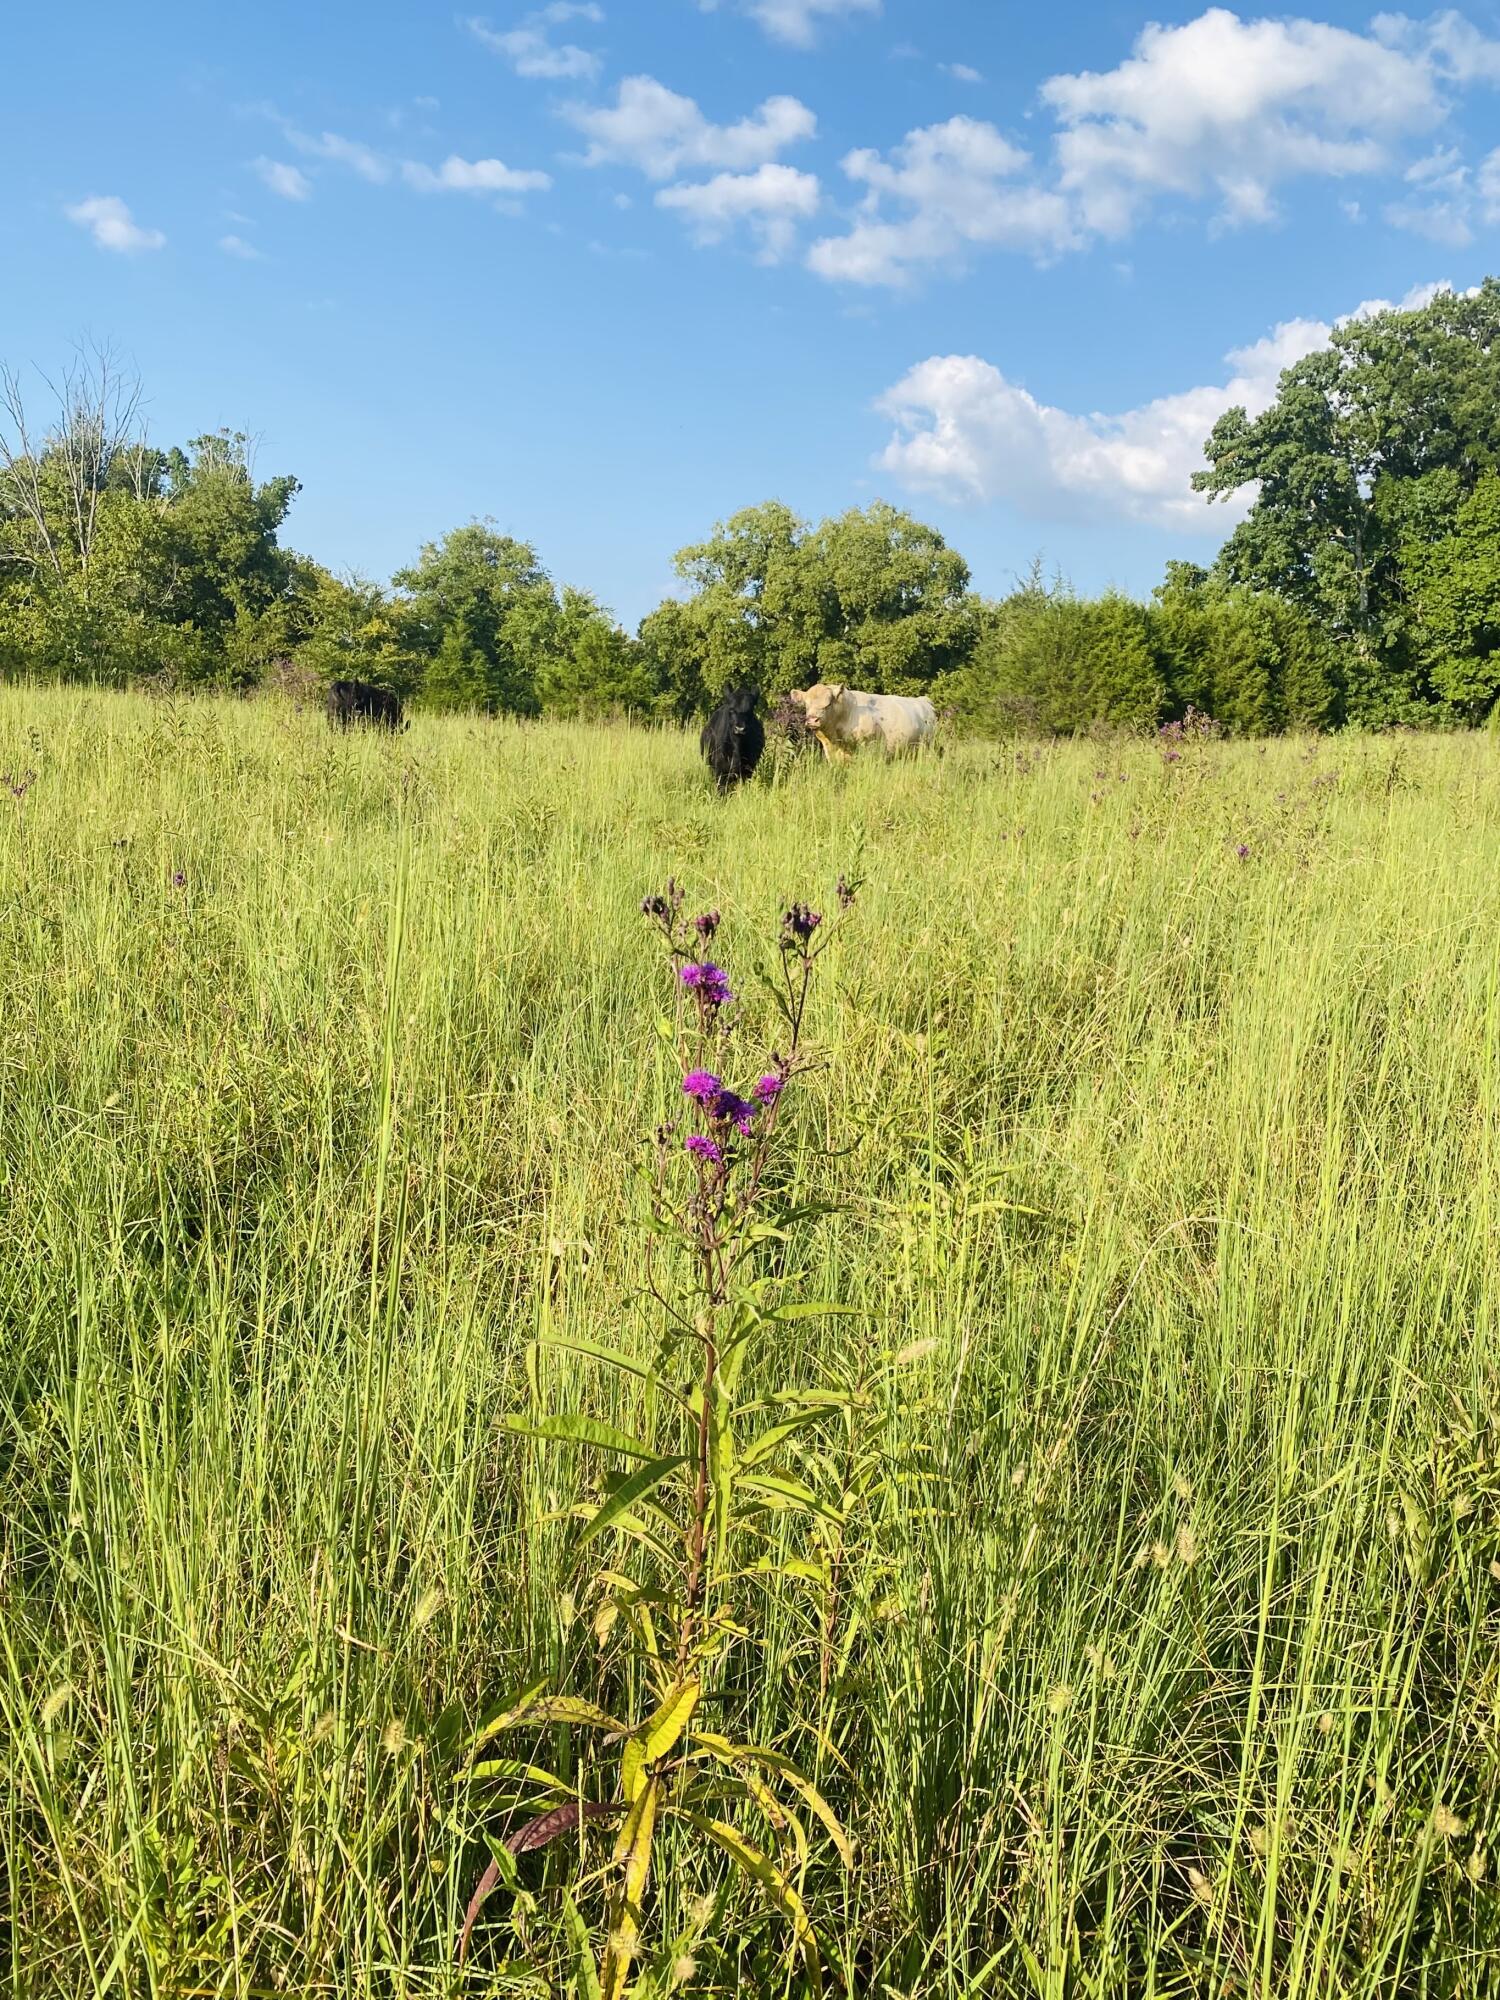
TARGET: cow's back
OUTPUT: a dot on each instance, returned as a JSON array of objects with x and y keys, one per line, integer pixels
[{"x": 895, "y": 721}]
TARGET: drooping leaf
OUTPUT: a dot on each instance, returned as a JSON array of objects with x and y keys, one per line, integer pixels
[
  {"x": 665, "y": 1725},
  {"x": 637, "y": 1486},
  {"x": 612, "y": 1357},
  {"x": 633, "y": 1848},
  {"x": 572, "y": 1429},
  {"x": 741, "y": 1754},
  {"x": 548, "y": 1708},
  {"x": 760, "y": 1869},
  {"x": 789, "y": 1495}
]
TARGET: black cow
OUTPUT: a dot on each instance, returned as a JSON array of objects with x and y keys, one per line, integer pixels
[
  {"x": 733, "y": 738},
  {"x": 358, "y": 701}
]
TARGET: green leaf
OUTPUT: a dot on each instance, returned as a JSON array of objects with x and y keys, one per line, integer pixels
[
  {"x": 665, "y": 1725},
  {"x": 612, "y": 1357},
  {"x": 512, "y": 1767},
  {"x": 583, "y": 1957},
  {"x": 773, "y": 1760},
  {"x": 568, "y": 1429},
  {"x": 789, "y": 1496},
  {"x": 762, "y": 1446},
  {"x": 761, "y": 1870},
  {"x": 631, "y": 1489},
  {"x": 538, "y": 1707},
  {"x": 506, "y": 1715}
]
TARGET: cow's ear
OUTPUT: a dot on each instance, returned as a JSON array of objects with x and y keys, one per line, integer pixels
[
  {"x": 838, "y": 693},
  {"x": 798, "y": 695}
]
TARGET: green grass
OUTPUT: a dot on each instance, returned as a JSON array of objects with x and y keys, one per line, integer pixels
[{"x": 1169, "y": 1658}]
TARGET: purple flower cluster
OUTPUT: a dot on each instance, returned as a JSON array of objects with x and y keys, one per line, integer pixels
[
  {"x": 769, "y": 1088},
  {"x": 709, "y": 982},
  {"x": 724, "y": 1107},
  {"x": 707, "y": 924},
  {"x": 703, "y": 1149},
  {"x": 798, "y": 925}
]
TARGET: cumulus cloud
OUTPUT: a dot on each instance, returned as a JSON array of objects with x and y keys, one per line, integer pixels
[
  {"x": 1220, "y": 109},
  {"x": 459, "y": 176},
  {"x": 529, "y": 47},
  {"x": 1232, "y": 108},
  {"x": 236, "y": 246},
  {"x": 655, "y": 129},
  {"x": 282, "y": 178},
  {"x": 771, "y": 202},
  {"x": 112, "y": 226},
  {"x": 965, "y": 432},
  {"x": 957, "y": 186}
]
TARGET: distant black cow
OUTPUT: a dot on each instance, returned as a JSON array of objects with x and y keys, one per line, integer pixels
[
  {"x": 358, "y": 701},
  {"x": 733, "y": 738}
]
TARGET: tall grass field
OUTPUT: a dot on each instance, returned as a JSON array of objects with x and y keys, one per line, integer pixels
[{"x": 1152, "y": 1156}]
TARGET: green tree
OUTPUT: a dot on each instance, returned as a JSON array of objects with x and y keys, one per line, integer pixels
[
  {"x": 872, "y": 597},
  {"x": 1453, "y": 585},
  {"x": 1370, "y": 446},
  {"x": 490, "y": 591}
]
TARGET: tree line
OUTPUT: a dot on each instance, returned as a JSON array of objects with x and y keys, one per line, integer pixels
[{"x": 1363, "y": 585}]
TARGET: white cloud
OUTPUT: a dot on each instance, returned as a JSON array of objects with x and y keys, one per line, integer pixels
[
  {"x": 1451, "y": 200},
  {"x": 529, "y": 48},
  {"x": 236, "y": 246},
  {"x": 1453, "y": 47},
  {"x": 111, "y": 224},
  {"x": 965, "y": 432},
  {"x": 351, "y": 153},
  {"x": 962, "y": 72},
  {"x": 797, "y": 21},
  {"x": 1228, "y": 107},
  {"x": 458, "y": 176},
  {"x": 284, "y": 179},
  {"x": 655, "y": 129},
  {"x": 961, "y": 183},
  {"x": 771, "y": 201}
]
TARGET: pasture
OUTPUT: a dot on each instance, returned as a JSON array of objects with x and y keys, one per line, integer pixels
[{"x": 1159, "y": 1117}]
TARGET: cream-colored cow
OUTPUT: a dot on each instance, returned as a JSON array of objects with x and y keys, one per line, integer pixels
[{"x": 843, "y": 720}]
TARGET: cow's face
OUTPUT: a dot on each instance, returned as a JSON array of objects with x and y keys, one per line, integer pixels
[{"x": 820, "y": 703}]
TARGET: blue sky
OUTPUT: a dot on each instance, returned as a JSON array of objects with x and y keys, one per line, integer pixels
[{"x": 608, "y": 272}]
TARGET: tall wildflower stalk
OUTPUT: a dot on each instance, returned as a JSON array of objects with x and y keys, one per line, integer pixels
[{"x": 682, "y": 1507}]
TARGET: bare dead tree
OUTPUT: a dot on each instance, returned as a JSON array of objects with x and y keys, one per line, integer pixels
[{"x": 96, "y": 422}]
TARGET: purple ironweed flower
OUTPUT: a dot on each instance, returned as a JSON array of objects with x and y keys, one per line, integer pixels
[
  {"x": 709, "y": 982},
  {"x": 1243, "y": 851},
  {"x": 703, "y": 1149},
  {"x": 728, "y": 1108},
  {"x": 769, "y": 1088},
  {"x": 654, "y": 906},
  {"x": 179, "y": 880},
  {"x": 701, "y": 1084},
  {"x": 1173, "y": 757},
  {"x": 707, "y": 924},
  {"x": 798, "y": 925}
]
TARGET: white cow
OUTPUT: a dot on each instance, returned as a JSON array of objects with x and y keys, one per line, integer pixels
[{"x": 843, "y": 719}]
